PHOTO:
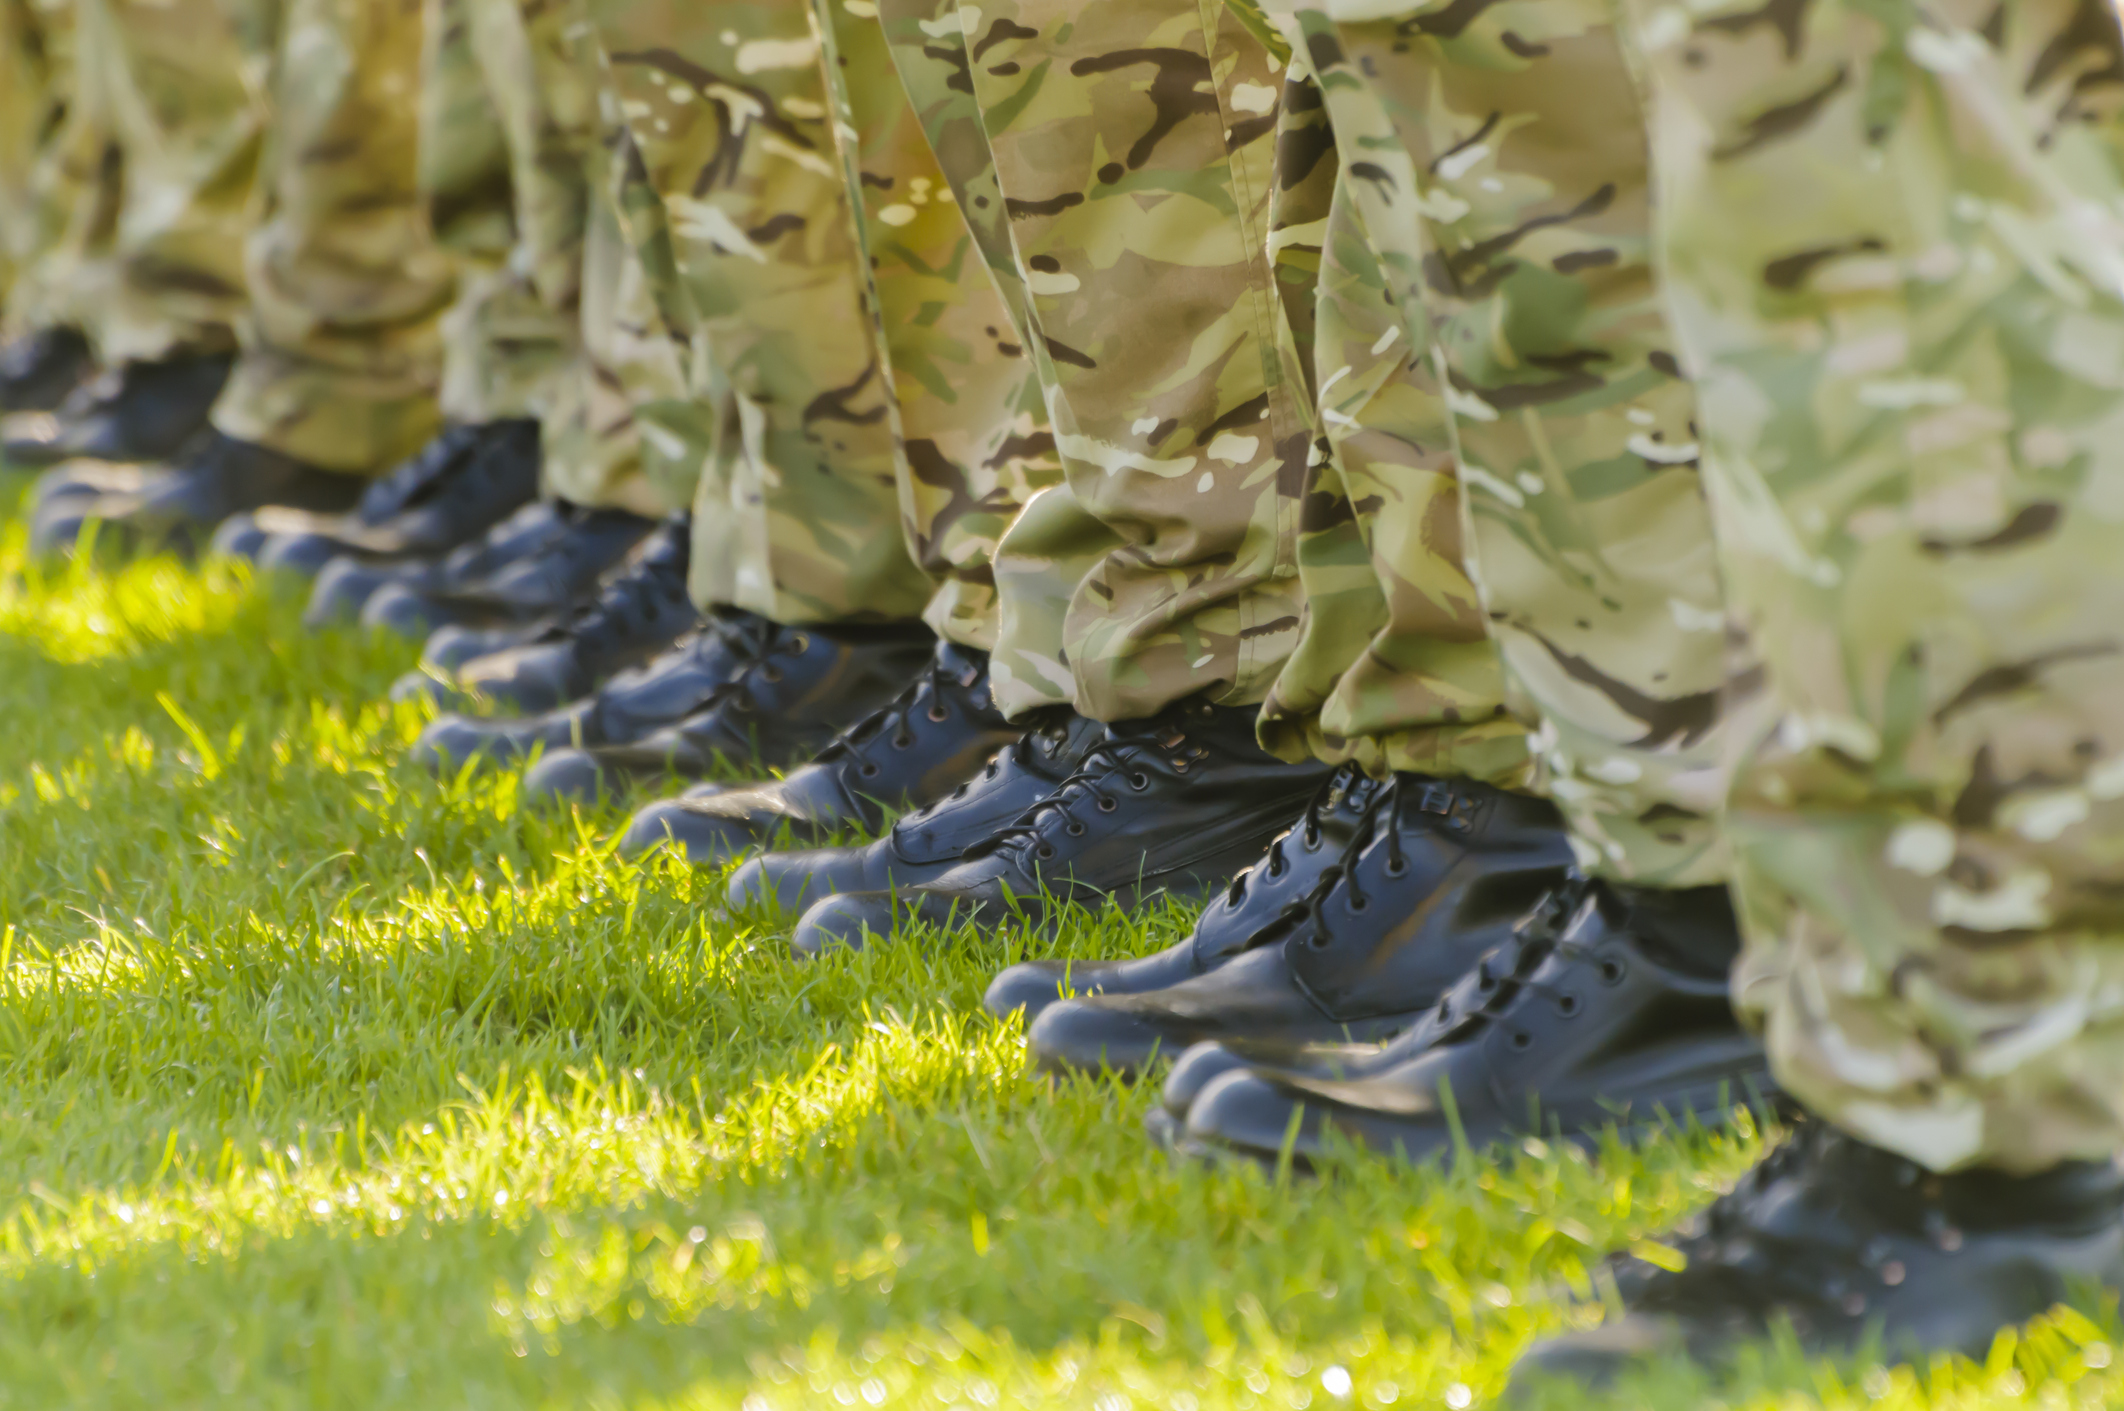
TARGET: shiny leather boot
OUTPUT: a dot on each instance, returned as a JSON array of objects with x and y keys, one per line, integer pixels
[
  {"x": 1843, "y": 1247},
  {"x": 928, "y": 842},
  {"x": 1173, "y": 805},
  {"x": 932, "y": 736},
  {"x": 804, "y": 686},
  {"x": 543, "y": 582},
  {"x": 1443, "y": 873},
  {"x": 347, "y": 583},
  {"x": 463, "y": 482},
  {"x": 219, "y": 477},
  {"x": 1253, "y": 911},
  {"x": 1612, "y": 1019},
  {"x": 641, "y": 609},
  {"x": 39, "y": 369},
  {"x": 138, "y": 412}
]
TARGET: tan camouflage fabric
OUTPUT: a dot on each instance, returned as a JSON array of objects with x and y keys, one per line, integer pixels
[
  {"x": 1897, "y": 262},
  {"x": 1394, "y": 667},
  {"x": 58, "y": 227},
  {"x": 1512, "y": 219},
  {"x": 34, "y": 87},
  {"x": 1127, "y": 156},
  {"x": 341, "y": 345},
  {"x": 1051, "y": 547},
  {"x": 164, "y": 83},
  {"x": 797, "y": 515},
  {"x": 969, "y": 424}
]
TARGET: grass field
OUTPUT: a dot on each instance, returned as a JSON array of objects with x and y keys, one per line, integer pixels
[{"x": 323, "y": 1083}]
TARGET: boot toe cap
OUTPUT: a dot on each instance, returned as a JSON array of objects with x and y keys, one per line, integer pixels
[
  {"x": 1086, "y": 1036},
  {"x": 397, "y": 608},
  {"x": 849, "y": 921},
  {"x": 1192, "y": 1074},
  {"x": 239, "y": 537},
  {"x": 569, "y": 776},
  {"x": 525, "y": 678},
  {"x": 791, "y": 881},
  {"x": 304, "y": 554},
  {"x": 663, "y": 824},
  {"x": 343, "y": 588},
  {"x": 451, "y": 741},
  {"x": 1244, "y": 1112},
  {"x": 1030, "y": 985}
]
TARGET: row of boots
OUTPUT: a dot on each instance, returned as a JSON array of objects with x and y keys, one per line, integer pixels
[{"x": 1412, "y": 967}]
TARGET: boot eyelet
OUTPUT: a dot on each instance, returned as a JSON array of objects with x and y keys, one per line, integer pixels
[
  {"x": 1567, "y": 1005},
  {"x": 1107, "y": 805},
  {"x": 1139, "y": 781},
  {"x": 939, "y": 714},
  {"x": 1612, "y": 971},
  {"x": 799, "y": 644},
  {"x": 1046, "y": 850},
  {"x": 869, "y": 771},
  {"x": 1360, "y": 904},
  {"x": 1397, "y": 867},
  {"x": 1522, "y": 1041},
  {"x": 1076, "y": 830},
  {"x": 771, "y": 674},
  {"x": 903, "y": 742}
]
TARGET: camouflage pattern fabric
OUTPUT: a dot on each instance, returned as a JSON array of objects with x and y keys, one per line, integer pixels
[
  {"x": 60, "y": 234},
  {"x": 35, "y": 73},
  {"x": 341, "y": 348},
  {"x": 1051, "y": 547},
  {"x": 164, "y": 82},
  {"x": 1126, "y": 162},
  {"x": 1512, "y": 220},
  {"x": 1393, "y": 667},
  {"x": 969, "y": 425},
  {"x": 1898, "y": 271},
  {"x": 797, "y": 516}
]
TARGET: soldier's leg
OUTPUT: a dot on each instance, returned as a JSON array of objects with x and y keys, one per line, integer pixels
[
  {"x": 40, "y": 360},
  {"x": 1898, "y": 274},
  {"x": 341, "y": 352}
]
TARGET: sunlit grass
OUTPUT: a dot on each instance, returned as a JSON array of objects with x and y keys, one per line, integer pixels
[{"x": 330, "y": 1084}]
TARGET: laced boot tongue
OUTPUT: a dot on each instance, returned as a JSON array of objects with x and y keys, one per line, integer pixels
[{"x": 416, "y": 478}]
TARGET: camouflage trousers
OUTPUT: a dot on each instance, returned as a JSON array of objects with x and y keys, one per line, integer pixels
[
  {"x": 35, "y": 83},
  {"x": 1114, "y": 163},
  {"x": 1897, "y": 270},
  {"x": 341, "y": 350},
  {"x": 1498, "y": 164},
  {"x": 797, "y": 512}
]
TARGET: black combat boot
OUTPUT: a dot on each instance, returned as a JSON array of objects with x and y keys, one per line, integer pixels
[
  {"x": 803, "y": 686},
  {"x": 929, "y": 740},
  {"x": 1849, "y": 1247},
  {"x": 347, "y": 583},
  {"x": 177, "y": 512},
  {"x": 1619, "y": 1017},
  {"x": 1441, "y": 874},
  {"x": 463, "y": 482},
  {"x": 929, "y": 842},
  {"x": 1173, "y": 805},
  {"x": 138, "y": 412},
  {"x": 38, "y": 370},
  {"x": 544, "y": 582},
  {"x": 639, "y": 611},
  {"x": 1254, "y": 910}
]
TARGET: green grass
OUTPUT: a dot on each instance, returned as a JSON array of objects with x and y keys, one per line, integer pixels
[{"x": 323, "y": 1083}]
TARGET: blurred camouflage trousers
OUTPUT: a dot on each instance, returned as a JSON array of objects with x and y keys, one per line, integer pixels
[
  {"x": 797, "y": 513},
  {"x": 35, "y": 91},
  {"x": 1114, "y": 163},
  {"x": 1897, "y": 267},
  {"x": 966, "y": 414},
  {"x": 1503, "y": 182},
  {"x": 341, "y": 348}
]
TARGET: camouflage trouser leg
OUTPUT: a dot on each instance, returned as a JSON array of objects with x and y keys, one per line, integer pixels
[
  {"x": 70, "y": 216},
  {"x": 1045, "y": 553},
  {"x": 30, "y": 99},
  {"x": 968, "y": 418},
  {"x": 167, "y": 79},
  {"x": 627, "y": 357},
  {"x": 1393, "y": 667},
  {"x": 341, "y": 349},
  {"x": 1898, "y": 268},
  {"x": 798, "y": 513},
  {"x": 1131, "y": 149},
  {"x": 1513, "y": 210}
]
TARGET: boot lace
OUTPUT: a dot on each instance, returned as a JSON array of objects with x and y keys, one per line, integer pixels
[
  {"x": 932, "y": 685},
  {"x": 1047, "y": 736},
  {"x": 403, "y": 486},
  {"x": 1109, "y": 766},
  {"x": 633, "y": 600},
  {"x": 1348, "y": 781}
]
